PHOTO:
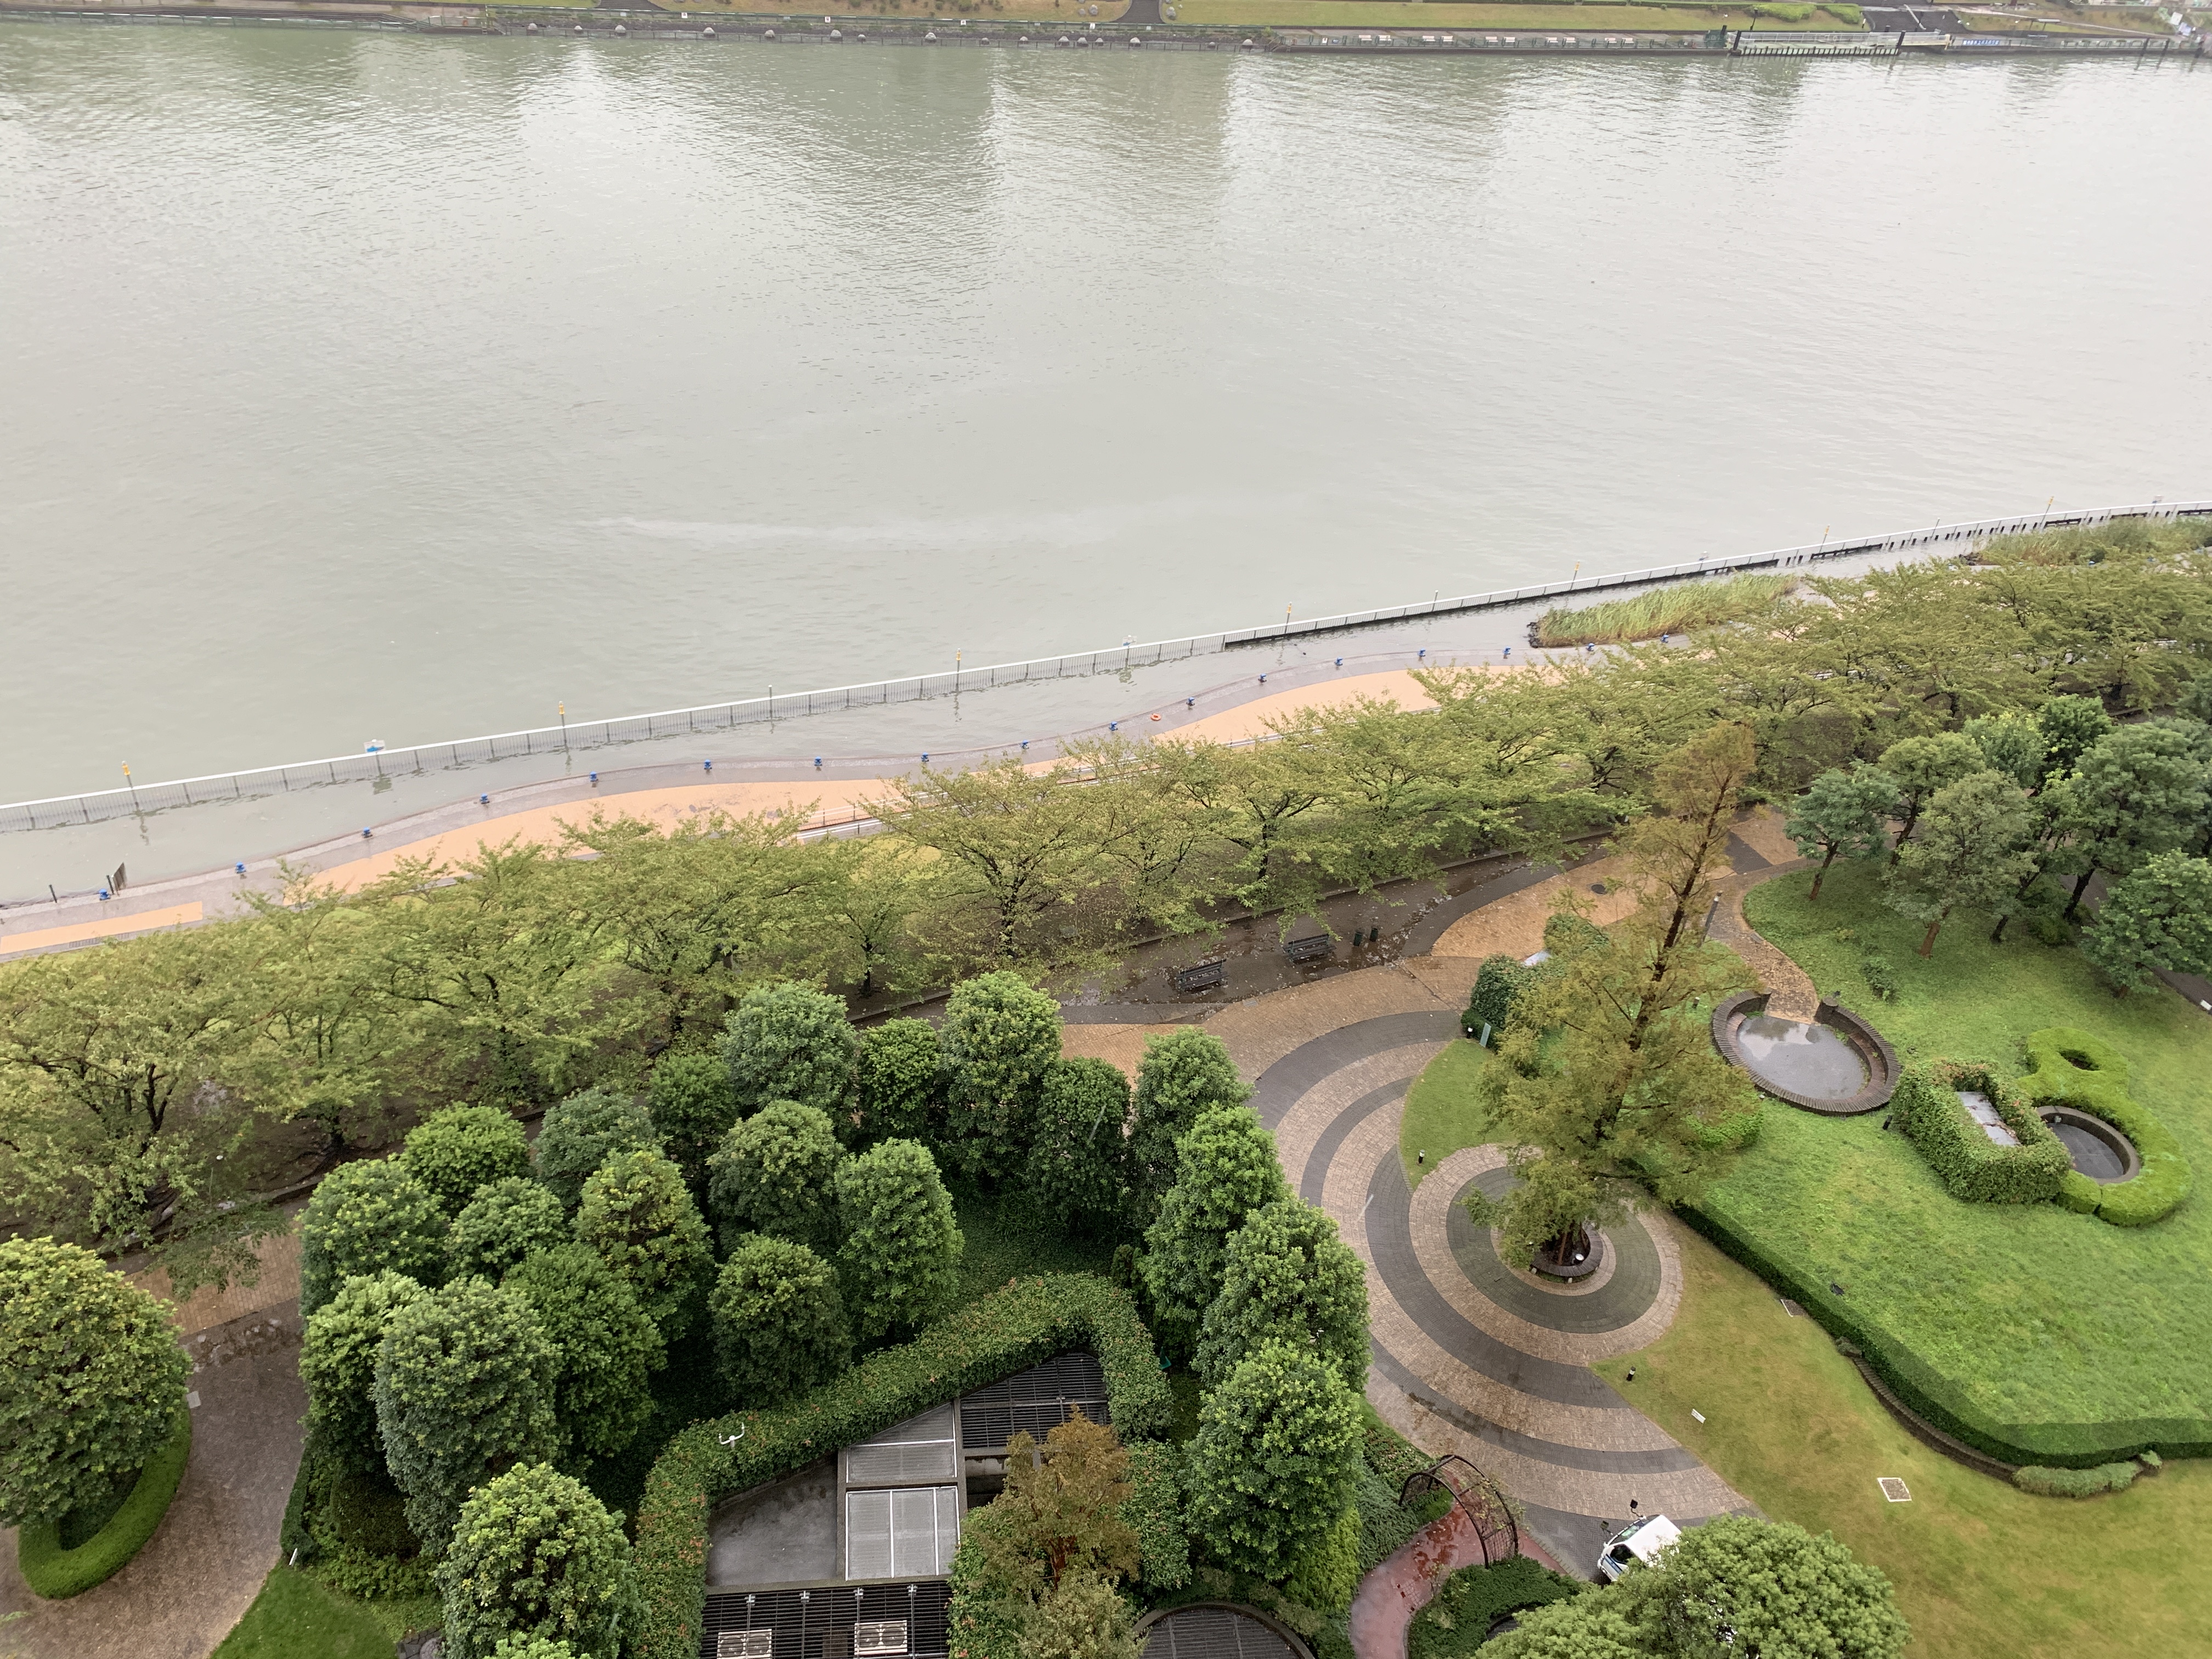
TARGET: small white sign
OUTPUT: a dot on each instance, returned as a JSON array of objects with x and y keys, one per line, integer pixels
[{"x": 1700, "y": 1416}]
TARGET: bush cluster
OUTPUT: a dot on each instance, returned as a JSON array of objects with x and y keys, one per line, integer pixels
[
  {"x": 2076, "y": 1483},
  {"x": 1970, "y": 1165},
  {"x": 57, "y": 1571},
  {"x": 2071, "y": 1067},
  {"x": 1499, "y": 985},
  {"x": 1458, "y": 1617}
]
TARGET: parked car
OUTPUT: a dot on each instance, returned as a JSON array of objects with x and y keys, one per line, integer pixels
[{"x": 1643, "y": 1541}]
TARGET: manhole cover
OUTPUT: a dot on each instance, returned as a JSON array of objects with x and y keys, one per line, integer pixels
[{"x": 1893, "y": 1489}]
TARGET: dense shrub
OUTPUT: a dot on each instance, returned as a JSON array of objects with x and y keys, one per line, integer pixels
[
  {"x": 535, "y": 1554},
  {"x": 1154, "y": 1511},
  {"x": 1497, "y": 987},
  {"x": 464, "y": 1389},
  {"x": 789, "y": 1042},
  {"x": 337, "y": 1365},
  {"x": 899, "y": 1082},
  {"x": 1275, "y": 1461},
  {"x": 1881, "y": 975},
  {"x": 57, "y": 1567},
  {"x": 1385, "y": 1524},
  {"x": 2072, "y": 1068},
  {"x": 455, "y": 1151},
  {"x": 775, "y": 1173},
  {"x": 1970, "y": 1165},
  {"x": 900, "y": 1261},
  {"x": 1458, "y": 1617},
  {"x": 638, "y": 1215},
  {"x": 1287, "y": 1277},
  {"x": 1226, "y": 1168},
  {"x": 91, "y": 1380},
  {"x": 692, "y": 1104},
  {"x": 2075, "y": 1483},
  {"x": 1183, "y": 1072},
  {"x": 1000, "y": 1033},
  {"x": 606, "y": 1350},
  {"x": 1029, "y": 1321},
  {"x": 583, "y": 1133},
  {"x": 778, "y": 1321},
  {"x": 505, "y": 1221},
  {"x": 1078, "y": 1169},
  {"x": 1327, "y": 1572},
  {"x": 365, "y": 1218}
]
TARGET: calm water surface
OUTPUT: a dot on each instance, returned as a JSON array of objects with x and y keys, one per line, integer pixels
[{"x": 356, "y": 386}]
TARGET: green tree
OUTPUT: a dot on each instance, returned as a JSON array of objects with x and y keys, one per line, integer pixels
[
  {"x": 777, "y": 1173},
  {"x": 463, "y": 1148},
  {"x": 899, "y": 1072},
  {"x": 123, "y": 1103},
  {"x": 579, "y": 1133},
  {"x": 2159, "y": 918},
  {"x": 883, "y": 886},
  {"x": 790, "y": 1041},
  {"x": 1287, "y": 1277},
  {"x": 337, "y": 1364},
  {"x": 1846, "y": 812},
  {"x": 2140, "y": 790},
  {"x": 606, "y": 1350},
  {"x": 1082, "y": 1617},
  {"x": 1973, "y": 852},
  {"x": 1000, "y": 1033},
  {"x": 1499, "y": 984},
  {"x": 1049, "y": 1549},
  {"x": 2013, "y": 744},
  {"x": 2194, "y": 702},
  {"x": 2072, "y": 727},
  {"x": 536, "y": 1556},
  {"x": 1609, "y": 1080},
  {"x": 505, "y": 1221},
  {"x": 638, "y": 1215},
  {"x": 502, "y": 974},
  {"x": 463, "y": 1390},
  {"x": 1225, "y": 1168},
  {"x": 531, "y": 1647},
  {"x": 901, "y": 1258},
  {"x": 1922, "y": 766},
  {"x": 779, "y": 1322},
  {"x": 1078, "y": 1171},
  {"x": 1275, "y": 1459},
  {"x": 692, "y": 1104},
  {"x": 366, "y": 1218},
  {"x": 94, "y": 1380},
  {"x": 1183, "y": 1072}
]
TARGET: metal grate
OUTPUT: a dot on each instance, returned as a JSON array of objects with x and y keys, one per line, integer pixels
[
  {"x": 826, "y": 1624},
  {"x": 917, "y": 1452},
  {"x": 1895, "y": 1489},
  {"x": 907, "y": 1532},
  {"x": 1035, "y": 1402},
  {"x": 1214, "y": 1633}
]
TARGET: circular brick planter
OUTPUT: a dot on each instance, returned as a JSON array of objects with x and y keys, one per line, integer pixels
[{"x": 1879, "y": 1057}]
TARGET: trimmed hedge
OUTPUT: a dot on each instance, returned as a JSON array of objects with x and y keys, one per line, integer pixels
[
  {"x": 1030, "y": 1321},
  {"x": 2076, "y": 1483},
  {"x": 1973, "y": 1167},
  {"x": 2073, "y": 1445},
  {"x": 2070, "y": 1067},
  {"x": 1458, "y": 1617},
  {"x": 1499, "y": 985},
  {"x": 57, "y": 1573}
]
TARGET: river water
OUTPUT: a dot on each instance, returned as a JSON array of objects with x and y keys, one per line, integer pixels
[{"x": 358, "y": 386}]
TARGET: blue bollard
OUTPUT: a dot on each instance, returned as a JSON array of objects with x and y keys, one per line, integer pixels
[
  {"x": 709, "y": 765},
  {"x": 595, "y": 777},
  {"x": 925, "y": 760},
  {"x": 241, "y": 869},
  {"x": 1112, "y": 725},
  {"x": 484, "y": 800},
  {"x": 1340, "y": 662},
  {"x": 366, "y": 834}
]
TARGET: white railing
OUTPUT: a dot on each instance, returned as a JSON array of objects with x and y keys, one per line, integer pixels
[{"x": 56, "y": 811}]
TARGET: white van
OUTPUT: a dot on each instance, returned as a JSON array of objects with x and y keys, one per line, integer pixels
[{"x": 1643, "y": 1542}]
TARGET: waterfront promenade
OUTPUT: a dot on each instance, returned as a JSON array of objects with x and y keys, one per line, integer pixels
[{"x": 834, "y": 797}]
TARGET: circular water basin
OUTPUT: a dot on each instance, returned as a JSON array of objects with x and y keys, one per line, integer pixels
[
  {"x": 2093, "y": 1145},
  {"x": 1808, "y": 1058}
]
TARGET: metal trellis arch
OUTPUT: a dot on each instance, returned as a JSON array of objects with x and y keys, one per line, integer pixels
[{"x": 1476, "y": 1496}]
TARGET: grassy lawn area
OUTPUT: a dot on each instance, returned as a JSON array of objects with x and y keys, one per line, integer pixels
[
  {"x": 297, "y": 1617},
  {"x": 976, "y": 12},
  {"x": 2024, "y": 1318},
  {"x": 1540, "y": 19},
  {"x": 1982, "y": 1569},
  {"x": 1442, "y": 1115}
]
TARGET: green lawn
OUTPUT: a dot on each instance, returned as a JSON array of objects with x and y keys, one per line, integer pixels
[
  {"x": 1983, "y": 1570},
  {"x": 2027, "y": 1318},
  {"x": 1442, "y": 1115},
  {"x": 297, "y": 1617}
]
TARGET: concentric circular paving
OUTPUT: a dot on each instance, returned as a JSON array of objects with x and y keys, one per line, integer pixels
[
  {"x": 1468, "y": 1357},
  {"x": 1631, "y": 1279}
]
